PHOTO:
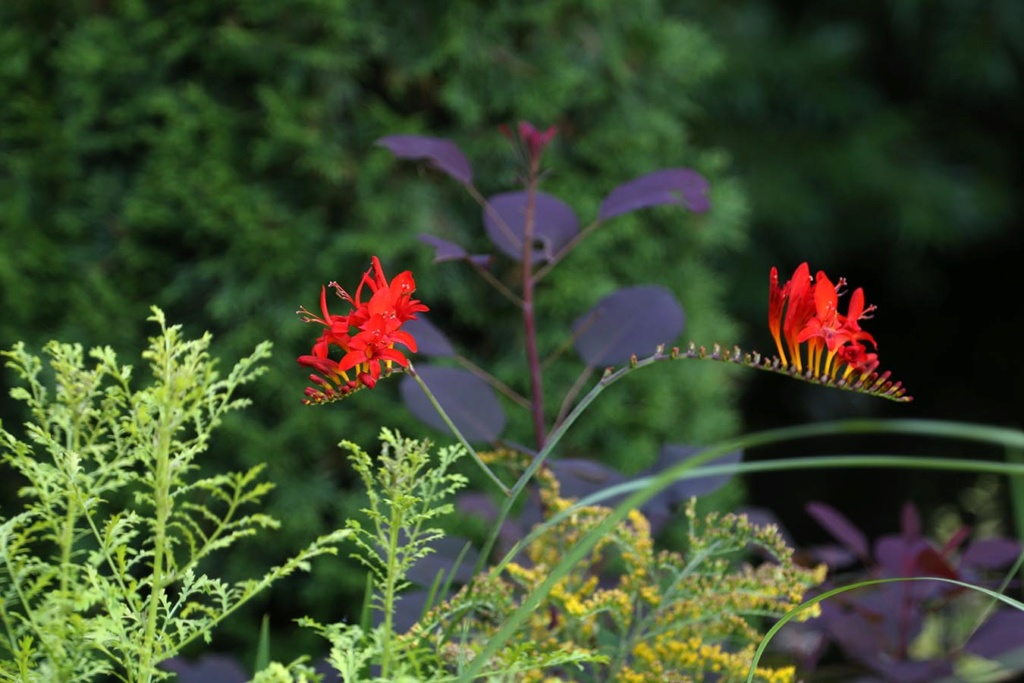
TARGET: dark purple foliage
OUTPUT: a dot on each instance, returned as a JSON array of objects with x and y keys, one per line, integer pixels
[
  {"x": 907, "y": 671},
  {"x": 1001, "y": 634},
  {"x": 209, "y": 669},
  {"x": 660, "y": 509},
  {"x": 443, "y": 154},
  {"x": 667, "y": 186},
  {"x": 694, "y": 484},
  {"x": 225, "y": 669},
  {"x": 469, "y": 401},
  {"x": 555, "y": 224},
  {"x": 840, "y": 527},
  {"x": 450, "y": 251},
  {"x": 411, "y": 606},
  {"x": 834, "y": 556},
  {"x": 990, "y": 553},
  {"x": 634, "y": 320},
  {"x": 430, "y": 340},
  {"x": 578, "y": 477},
  {"x": 877, "y": 625},
  {"x": 481, "y": 506},
  {"x": 446, "y": 551}
]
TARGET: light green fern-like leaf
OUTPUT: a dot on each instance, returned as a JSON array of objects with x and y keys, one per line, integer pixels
[{"x": 99, "y": 573}]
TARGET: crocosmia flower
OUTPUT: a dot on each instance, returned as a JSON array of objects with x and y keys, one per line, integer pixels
[
  {"x": 813, "y": 335},
  {"x": 365, "y": 338}
]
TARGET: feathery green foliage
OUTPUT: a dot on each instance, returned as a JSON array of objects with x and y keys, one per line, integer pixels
[
  {"x": 406, "y": 493},
  {"x": 101, "y": 572}
]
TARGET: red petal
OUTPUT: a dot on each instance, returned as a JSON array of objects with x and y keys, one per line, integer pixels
[
  {"x": 825, "y": 298},
  {"x": 323, "y": 305},
  {"x": 392, "y": 355},
  {"x": 405, "y": 339}
]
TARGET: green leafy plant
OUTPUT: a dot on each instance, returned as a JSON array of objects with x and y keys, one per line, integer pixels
[
  {"x": 101, "y": 572},
  {"x": 406, "y": 493},
  {"x": 664, "y": 613},
  {"x": 632, "y": 613}
]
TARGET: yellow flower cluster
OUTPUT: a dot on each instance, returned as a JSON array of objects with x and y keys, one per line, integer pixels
[
  {"x": 667, "y": 657},
  {"x": 640, "y": 615}
]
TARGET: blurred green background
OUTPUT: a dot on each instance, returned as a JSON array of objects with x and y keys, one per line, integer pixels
[{"x": 216, "y": 158}]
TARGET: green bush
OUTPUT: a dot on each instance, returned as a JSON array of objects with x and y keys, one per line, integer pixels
[{"x": 217, "y": 159}]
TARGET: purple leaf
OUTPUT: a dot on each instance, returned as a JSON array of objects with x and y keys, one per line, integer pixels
[
  {"x": 990, "y": 553},
  {"x": 443, "y": 154},
  {"x": 1002, "y": 633},
  {"x": 579, "y": 478},
  {"x": 446, "y": 551},
  {"x": 904, "y": 671},
  {"x": 443, "y": 249},
  {"x": 840, "y": 527},
  {"x": 450, "y": 251},
  {"x": 477, "y": 505},
  {"x": 469, "y": 401},
  {"x": 835, "y": 556},
  {"x": 634, "y": 320},
  {"x": 430, "y": 341},
  {"x": 667, "y": 186},
  {"x": 694, "y": 484},
  {"x": 897, "y": 558},
  {"x": 855, "y": 630},
  {"x": 208, "y": 669},
  {"x": 555, "y": 224}
]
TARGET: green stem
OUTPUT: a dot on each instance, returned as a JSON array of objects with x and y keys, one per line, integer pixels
[
  {"x": 455, "y": 430},
  {"x": 1015, "y": 455},
  {"x": 494, "y": 282},
  {"x": 391, "y": 581},
  {"x": 28, "y": 614},
  {"x": 162, "y": 481},
  {"x": 161, "y": 497},
  {"x": 556, "y": 435},
  {"x": 67, "y": 539}
]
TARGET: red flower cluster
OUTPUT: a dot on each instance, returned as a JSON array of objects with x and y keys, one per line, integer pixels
[
  {"x": 806, "y": 311},
  {"x": 533, "y": 141},
  {"x": 366, "y": 336}
]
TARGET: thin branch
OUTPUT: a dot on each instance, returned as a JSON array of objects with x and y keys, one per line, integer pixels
[
  {"x": 564, "y": 251},
  {"x": 505, "y": 389},
  {"x": 529, "y": 318},
  {"x": 574, "y": 391},
  {"x": 495, "y": 282},
  {"x": 505, "y": 227}
]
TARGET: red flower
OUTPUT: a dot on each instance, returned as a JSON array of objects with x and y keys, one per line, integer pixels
[
  {"x": 535, "y": 140},
  {"x": 366, "y": 336},
  {"x": 532, "y": 141},
  {"x": 834, "y": 341},
  {"x": 796, "y": 297}
]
